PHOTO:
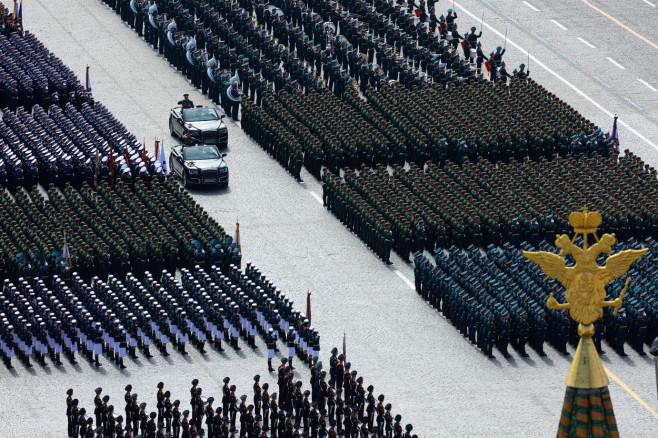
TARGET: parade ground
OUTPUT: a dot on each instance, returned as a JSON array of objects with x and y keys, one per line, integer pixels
[{"x": 598, "y": 56}]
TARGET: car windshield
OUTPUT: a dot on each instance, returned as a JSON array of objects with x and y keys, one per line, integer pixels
[
  {"x": 200, "y": 115},
  {"x": 200, "y": 153}
]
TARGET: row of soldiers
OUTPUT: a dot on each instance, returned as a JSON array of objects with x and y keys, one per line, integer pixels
[
  {"x": 118, "y": 318},
  {"x": 489, "y": 204},
  {"x": 109, "y": 230},
  {"x": 499, "y": 298},
  {"x": 341, "y": 406}
]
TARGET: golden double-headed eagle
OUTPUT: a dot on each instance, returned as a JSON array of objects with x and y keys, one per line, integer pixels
[{"x": 585, "y": 281}]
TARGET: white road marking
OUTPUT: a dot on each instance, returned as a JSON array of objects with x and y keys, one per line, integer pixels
[
  {"x": 649, "y": 3},
  {"x": 530, "y": 6},
  {"x": 616, "y": 63},
  {"x": 648, "y": 86},
  {"x": 317, "y": 197},
  {"x": 561, "y": 79},
  {"x": 587, "y": 43},
  {"x": 405, "y": 279},
  {"x": 559, "y": 25},
  {"x": 540, "y": 39}
]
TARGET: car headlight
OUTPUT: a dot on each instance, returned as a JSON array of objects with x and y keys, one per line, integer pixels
[
  {"x": 223, "y": 170},
  {"x": 221, "y": 130},
  {"x": 195, "y": 172}
]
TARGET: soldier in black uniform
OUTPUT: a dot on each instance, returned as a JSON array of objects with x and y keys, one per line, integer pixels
[{"x": 69, "y": 411}]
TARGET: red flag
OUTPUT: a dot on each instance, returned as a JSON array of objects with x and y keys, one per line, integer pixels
[
  {"x": 111, "y": 166},
  {"x": 15, "y": 10},
  {"x": 344, "y": 352},
  {"x": 417, "y": 12},
  {"x": 144, "y": 153},
  {"x": 487, "y": 64},
  {"x": 157, "y": 146},
  {"x": 308, "y": 306},
  {"x": 127, "y": 157}
]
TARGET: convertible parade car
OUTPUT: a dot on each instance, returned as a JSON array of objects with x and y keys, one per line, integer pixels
[
  {"x": 202, "y": 123},
  {"x": 200, "y": 164}
]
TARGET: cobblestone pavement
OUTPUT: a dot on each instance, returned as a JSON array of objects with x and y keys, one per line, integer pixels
[{"x": 433, "y": 377}]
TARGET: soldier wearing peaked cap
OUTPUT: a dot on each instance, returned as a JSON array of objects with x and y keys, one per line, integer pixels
[
  {"x": 98, "y": 404},
  {"x": 168, "y": 406},
  {"x": 210, "y": 414},
  {"x": 258, "y": 397},
  {"x": 270, "y": 341},
  {"x": 176, "y": 419},
  {"x": 160, "y": 401},
  {"x": 69, "y": 411},
  {"x": 186, "y": 103}
]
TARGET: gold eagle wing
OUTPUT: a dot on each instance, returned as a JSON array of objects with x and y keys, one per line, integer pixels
[
  {"x": 553, "y": 265},
  {"x": 618, "y": 264}
]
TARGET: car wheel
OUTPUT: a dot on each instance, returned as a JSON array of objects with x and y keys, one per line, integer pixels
[
  {"x": 185, "y": 183},
  {"x": 171, "y": 128},
  {"x": 171, "y": 166}
]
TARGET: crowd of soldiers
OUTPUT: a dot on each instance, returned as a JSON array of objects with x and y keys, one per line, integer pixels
[
  {"x": 301, "y": 47},
  {"x": 289, "y": 48},
  {"x": 151, "y": 226},
  {"x": 498, "y": 298},
  {"x": 337, "y": 404},
  {"x": 396, "y": 125},
  {"x": 52, "y": 130},
  {"x": 46, "y": 319},
  {"x": 415, "y": 209},
  {"x": 8, "y": 23},
  {"x": 31, "y": 75}
]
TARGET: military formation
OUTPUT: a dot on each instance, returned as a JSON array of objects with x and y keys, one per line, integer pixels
[
  {"x": 47, "y": 318},
  {"x": 401, "y": 57},
  {"x": 31, "y": 75},
  {"x": 302, "y": 47},
  {"x": 498, "y": 299},
  {"x": 150, "y": 226},
  {"x": 337, "y": 404},
  {"x": 52, "y": 130},
  {"x": 492, "y": 204}
]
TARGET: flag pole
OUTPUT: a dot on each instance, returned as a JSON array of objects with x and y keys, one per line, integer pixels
[
  {"x": 308, "y": 305},
  {"x": 482, "y": 22},
  {"x": 505, "y": 45},
  {"x": 344, "y": 350}
]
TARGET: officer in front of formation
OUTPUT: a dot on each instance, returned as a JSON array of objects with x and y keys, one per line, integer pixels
[{"x": 186, "y": 103}]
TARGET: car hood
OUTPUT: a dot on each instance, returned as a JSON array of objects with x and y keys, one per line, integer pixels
[
  {"x": 206, "y": 126},
  {"x": 205, "y": 164}
]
